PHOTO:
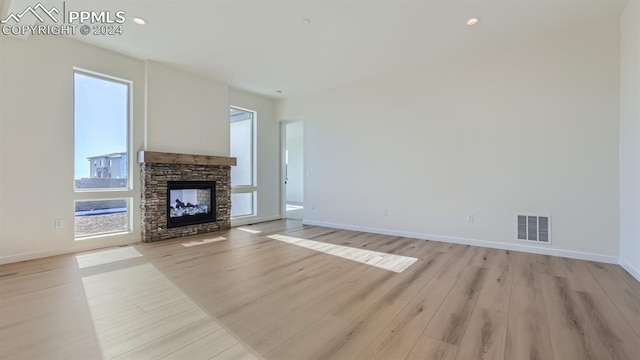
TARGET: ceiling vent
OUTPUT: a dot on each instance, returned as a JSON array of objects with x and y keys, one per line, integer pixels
[{"x": 533, "y": 228}]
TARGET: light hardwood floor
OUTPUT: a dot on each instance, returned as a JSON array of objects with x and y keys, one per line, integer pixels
[{"x": 248, "y": 296}]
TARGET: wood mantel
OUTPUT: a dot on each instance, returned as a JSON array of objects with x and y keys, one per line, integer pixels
[{"x": 189, "y": 159}]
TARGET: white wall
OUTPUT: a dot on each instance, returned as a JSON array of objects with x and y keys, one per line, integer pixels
[
  {"x": 186, "y": 113},
  {"x": 268, "y": 150},
  {"x": 295, "y": 176},
  {"x": 36, "y": 125},
  {"x": 630, "y": 139},
  {"x": 526, "y": 127}
]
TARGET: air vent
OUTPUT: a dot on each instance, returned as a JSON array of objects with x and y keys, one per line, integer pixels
[{"x": 534, "y": 228}]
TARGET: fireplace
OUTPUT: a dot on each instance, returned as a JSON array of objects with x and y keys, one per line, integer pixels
[
  {"x": 207, "y": 181},
  {"x": 190, "y": 202}
]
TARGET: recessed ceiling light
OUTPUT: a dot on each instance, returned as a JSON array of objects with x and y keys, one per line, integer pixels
[
  {"x": 307, "y": 20},
  {"x": 473, "y": 21},
  {"x": 139, "y": 20}
]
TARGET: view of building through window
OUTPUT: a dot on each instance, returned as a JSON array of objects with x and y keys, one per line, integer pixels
[
  {"x": 101, "y": 110},
  {"x": 101, "y": 120}
]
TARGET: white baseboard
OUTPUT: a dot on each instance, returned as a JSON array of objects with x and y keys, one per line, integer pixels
[
  {"x": 630, "y": 269},
  {"x": 55, "y": 252},
  {"x": 85, "y": 245},
  {"x": 482, "y": 243},
  {"x": 32, "y": 256}
]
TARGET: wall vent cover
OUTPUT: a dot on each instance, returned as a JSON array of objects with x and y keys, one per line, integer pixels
[{"x": 533, "y": 228}]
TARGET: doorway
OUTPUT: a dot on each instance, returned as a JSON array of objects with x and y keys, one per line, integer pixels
[{"x": 292, "y": 169}]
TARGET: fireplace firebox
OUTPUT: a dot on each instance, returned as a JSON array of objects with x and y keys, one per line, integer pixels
[{"x": 190, "y": 202}]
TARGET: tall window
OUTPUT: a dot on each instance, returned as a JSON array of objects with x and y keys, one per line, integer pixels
[
  {"x": 101, "y": 148},
  {"x": 243, "y": 175}
]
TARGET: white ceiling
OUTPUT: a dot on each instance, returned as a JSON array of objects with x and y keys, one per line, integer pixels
[{"x": 265, "y": 45}]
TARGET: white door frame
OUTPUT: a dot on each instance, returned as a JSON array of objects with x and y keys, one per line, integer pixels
[{"x": 283, "y": 148}]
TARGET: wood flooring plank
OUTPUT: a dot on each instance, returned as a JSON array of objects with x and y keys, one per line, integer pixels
[
  {"x": 427, "y": 348},
  {"x": 282, "y": 325},
  {"x": 458, "y": 262},
  {"x": 366, "y": 296},
  {"x": 398, "y": 338},
  {"x": 579, "y": 276},
  {"x": 568, "y": 323},
  {"x": 485, "y": 336},
  {"x": 451, "y": 319},
  {"x": 115, "y": 344},
  {"x": 607, "y": 326},
  {"x": 315, "y": 336},
  {"x": 221, "y": 300},
  {"x": 622, "y": 295},
  {"x": 56, "y": 335},
  {"x": 526, "y": 270},
  {"x": 369, "y": 323},
  {"x": 483, "y": 257},
  {"x": 236, "y": 352},
  {"x": 205, "y": 347},
  {"x": 628, "y": 278},
  {"x": 528, "y": 331},
  {"x": 550, "y": 265},
  {"x": 290, "y": 303},
  {"x": 174, "y": 341},
  {"x": 317, "y": 299},
  {"x": 292, "y": 297},
  {"x": 496, "y": 291}
]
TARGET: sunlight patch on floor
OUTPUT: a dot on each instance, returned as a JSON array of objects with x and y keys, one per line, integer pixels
[
  {"x": 205, "y": 241},
  {"x": 106, "y": 257},
  {"x": 139, "y": 314},
  {"x": 392, "y": 262},
  {"x": 250, "y": 231}
]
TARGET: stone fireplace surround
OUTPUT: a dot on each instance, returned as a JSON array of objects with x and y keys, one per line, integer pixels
[{"x": 157, "y": 168}]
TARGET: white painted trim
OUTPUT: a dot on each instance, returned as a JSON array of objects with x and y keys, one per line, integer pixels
[
  {"x": 84, "y": 245},
  {"x": 283, "y": 186},
  {"x": 546, "y": 250},
  {"x": 633, "y": 271},
  {"x": 283, "y": 166},
  {"x": 90, "y": 243},
  {"x": 253, "y": 220}
]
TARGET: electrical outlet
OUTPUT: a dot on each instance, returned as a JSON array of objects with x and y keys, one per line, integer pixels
[
  {"x": 57, "y": 223},
  {"x": 385, "y": 212},
  {"x": 469, "y": 217},
  {"x": 313, "y": 206}
]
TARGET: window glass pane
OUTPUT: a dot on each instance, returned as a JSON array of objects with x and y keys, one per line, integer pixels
[
  {"x": 96, "y": 217},
  {"x": 242, "y": 147},
  {"x": 101, "y": 111},
  {"x": 242, "y": 204}
]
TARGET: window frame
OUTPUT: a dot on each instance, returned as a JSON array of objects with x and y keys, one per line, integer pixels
[
  {"x": 129, "y": 84},
  {"x": 124, "y": 193},
  {"x": 129, "y": 220},
  {"x": 253, "y": 188}
]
